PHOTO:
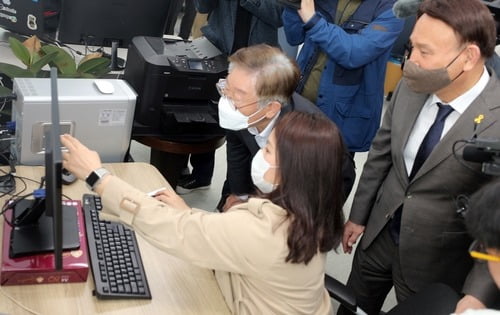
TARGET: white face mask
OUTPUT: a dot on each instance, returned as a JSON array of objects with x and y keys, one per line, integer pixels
[
  {"x": 233, "y": 119},
  {"x": 259, "y": 167}
]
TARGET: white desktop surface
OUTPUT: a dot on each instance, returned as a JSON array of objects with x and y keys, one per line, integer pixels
[
  {"x": 7, "y": 56},
  {"x": 177, "y": 287}
]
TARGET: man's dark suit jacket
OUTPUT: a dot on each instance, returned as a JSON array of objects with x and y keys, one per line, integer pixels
[
  {"x": 433, "y": 242},
  {"x": 241, "y": 148}
]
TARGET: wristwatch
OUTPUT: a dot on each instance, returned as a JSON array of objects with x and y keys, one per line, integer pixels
[{"x": 95, "y": 177}]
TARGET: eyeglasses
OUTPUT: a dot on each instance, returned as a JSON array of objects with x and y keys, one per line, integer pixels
[
  {"x": 221, "y": 86},
  {"x": 476, "y": 250},
  {"x": 406, "y": 55}
]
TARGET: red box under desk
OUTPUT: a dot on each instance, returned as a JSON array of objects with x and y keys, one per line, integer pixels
[{"x": 40, "y": 269}]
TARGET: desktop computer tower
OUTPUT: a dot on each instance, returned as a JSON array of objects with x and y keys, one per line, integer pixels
[{"x": 100, "y": 119}]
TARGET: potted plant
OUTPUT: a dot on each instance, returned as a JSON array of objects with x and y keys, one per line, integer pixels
[{"x": 35, "y": 56}]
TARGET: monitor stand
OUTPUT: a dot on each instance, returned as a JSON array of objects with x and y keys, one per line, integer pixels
[
  {"x": 38, "y": 237},
  {"x": 117, "y": 63}
]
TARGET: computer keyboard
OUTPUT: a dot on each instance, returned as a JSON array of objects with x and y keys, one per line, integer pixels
[{"x": 114, "y": 254}]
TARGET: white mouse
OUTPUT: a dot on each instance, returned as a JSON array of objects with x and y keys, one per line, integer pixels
[{"x": 104, "y": 86}]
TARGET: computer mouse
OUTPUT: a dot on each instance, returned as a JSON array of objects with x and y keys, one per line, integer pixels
[
  {"x": 104, "y": 86},
  {"x": 67, "y": 177}
]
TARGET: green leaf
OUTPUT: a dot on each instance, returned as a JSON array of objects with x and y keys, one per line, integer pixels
[
  {"x": 35, "y": 59},
  {"x": 5, "y": 91},
  {"x": 91, "y": 56},
  {"x": 69, "y": 75},
  {"x": 86, "y": 75},
  {"x": 20, "y": 51},
  {"x": 100, "y": 73},
  {"x": 95, "y": 65},
  {"x": 14, "y": 71},
  {"x": 37, "y": 66},
  {"x": 43, "y": 74},
  {"x": 63, "y": 60}
]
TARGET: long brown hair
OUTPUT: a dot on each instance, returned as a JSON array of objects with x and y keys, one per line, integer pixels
[{"x": 309, "y": 155}]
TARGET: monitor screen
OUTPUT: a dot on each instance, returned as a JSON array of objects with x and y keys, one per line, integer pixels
[
  {"x": 100, "y": 23},
  {"x": 30, "y": 17}
]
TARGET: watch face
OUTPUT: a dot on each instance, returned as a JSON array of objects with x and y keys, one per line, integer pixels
[{"x": 92, "y": 179}]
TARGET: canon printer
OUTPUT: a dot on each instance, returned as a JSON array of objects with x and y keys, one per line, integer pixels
[{"x": 175, "y": 82}]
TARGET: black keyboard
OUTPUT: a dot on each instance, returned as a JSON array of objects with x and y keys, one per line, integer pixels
[{"x": 114, "y": 254}]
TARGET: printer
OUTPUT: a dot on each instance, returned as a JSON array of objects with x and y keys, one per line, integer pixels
[{"x": 175, "y": 82}]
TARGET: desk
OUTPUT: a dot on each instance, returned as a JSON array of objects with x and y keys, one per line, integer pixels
[{"x": 176, "y": 286}]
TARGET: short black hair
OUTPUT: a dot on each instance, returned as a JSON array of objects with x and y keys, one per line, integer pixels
[
  {"x": 483, "y": 215},
  {"x": 470, "y": 19}
]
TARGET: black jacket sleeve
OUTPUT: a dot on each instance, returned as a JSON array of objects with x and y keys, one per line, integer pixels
[{"x": 239, "y": 161}]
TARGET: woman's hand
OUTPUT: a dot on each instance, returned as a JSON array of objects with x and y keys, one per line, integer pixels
[
  {"x": 231, "y": 201},
  {"x": 172, "y": 199},
  {"x": 78, "y": 159},
  {"x": 307, "y": 10}
]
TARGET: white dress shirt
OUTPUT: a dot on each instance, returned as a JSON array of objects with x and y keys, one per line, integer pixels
[
  {"x": 429, "y": 112},
  {"x": 261, "y": 137}
]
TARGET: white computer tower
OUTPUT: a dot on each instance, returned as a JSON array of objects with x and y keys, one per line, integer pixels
[{"x": 101, "y": 118}]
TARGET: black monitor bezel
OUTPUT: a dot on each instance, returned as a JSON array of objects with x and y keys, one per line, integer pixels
[{"x": 102, "y": 23}]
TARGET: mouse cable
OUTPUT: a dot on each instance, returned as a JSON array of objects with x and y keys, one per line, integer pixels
[
  {"x": 15, "y": 196},
  {"x": 11, "y": 163},
  {"x": 10, "y": 205},
  {"x": 9, "y": 97}
]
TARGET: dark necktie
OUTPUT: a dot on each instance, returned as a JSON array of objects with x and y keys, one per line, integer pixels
[{"x": 430, "y": 140}]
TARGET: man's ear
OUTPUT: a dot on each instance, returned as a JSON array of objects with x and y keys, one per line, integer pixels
[
  {"x": 473, "y": 55},
  {"x": 273, "y": 108}
]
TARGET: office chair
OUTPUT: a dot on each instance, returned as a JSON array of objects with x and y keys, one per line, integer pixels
[{"x": 436, "y": 299}]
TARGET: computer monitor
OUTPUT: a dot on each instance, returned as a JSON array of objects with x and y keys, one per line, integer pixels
[
  {"x": 41, "y": 224},
  {"x": 53, "y": 173},
  {"x": 29, "y": 17},
  {"x": 111, "y": 23}
]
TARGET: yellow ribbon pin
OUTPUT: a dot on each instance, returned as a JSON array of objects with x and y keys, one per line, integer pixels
[{"x": 479, "y": 118}]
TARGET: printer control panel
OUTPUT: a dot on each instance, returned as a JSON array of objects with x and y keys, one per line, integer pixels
[{"x": 186, "y": 64}]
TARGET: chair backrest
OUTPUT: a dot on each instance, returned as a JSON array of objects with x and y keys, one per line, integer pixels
[
  {"x": 340, "y": 292},
  {"x": 435, "y": 299}
]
